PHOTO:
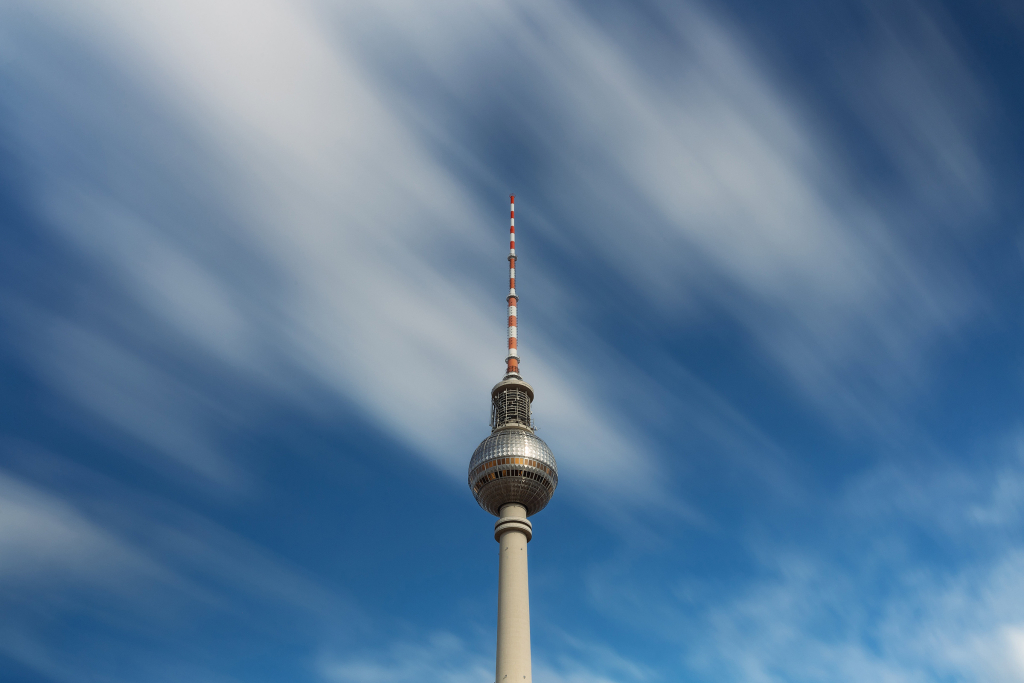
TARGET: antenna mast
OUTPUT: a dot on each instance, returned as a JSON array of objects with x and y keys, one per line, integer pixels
[{"x": 512, "y": 360}]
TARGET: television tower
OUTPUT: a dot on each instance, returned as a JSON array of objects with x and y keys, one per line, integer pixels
[{"x": 512, "y": 475}]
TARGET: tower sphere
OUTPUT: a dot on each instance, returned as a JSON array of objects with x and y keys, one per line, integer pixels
[{"x": 512, "y": 465}]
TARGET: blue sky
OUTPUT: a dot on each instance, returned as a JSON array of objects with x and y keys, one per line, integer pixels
[{"x": 251, "y": 292}]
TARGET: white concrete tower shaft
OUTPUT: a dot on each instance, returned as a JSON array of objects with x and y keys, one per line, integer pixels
[{"x": 513, "y": 533}]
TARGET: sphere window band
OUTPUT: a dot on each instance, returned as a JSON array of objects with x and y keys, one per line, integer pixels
[
  {"x": 529, "y": 462},
  {"x": 490, "y": 476}
]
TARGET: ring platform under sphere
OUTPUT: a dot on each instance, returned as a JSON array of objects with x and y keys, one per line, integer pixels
[{"x": 513, "y": 466}]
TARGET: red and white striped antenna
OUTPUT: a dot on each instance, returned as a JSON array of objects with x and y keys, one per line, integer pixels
[{"x": 512, "y": 360}]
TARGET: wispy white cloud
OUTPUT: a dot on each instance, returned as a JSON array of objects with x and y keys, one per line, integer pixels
[
  {"x": 445, "y": 657},
  {"x": 324, "y": 171},
  {"x": 727, "y": 183},
  {"x": 584, "y": 660},
  {"x": 135, "y": 395},
  {"x": 813, "y": 624},
  {"x": 911, "y": 577},
  {"x": 442, "y": 657},
  {"x": 882, "y": 608},
  {"x": 116, "y": 556},
  {"x": 346, "y": 207},
  {"x": 340, "y": 193},
  {"x": 42, "y": 536}
]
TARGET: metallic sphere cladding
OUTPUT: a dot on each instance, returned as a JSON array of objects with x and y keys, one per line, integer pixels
[{"x": 513, "y": 466}]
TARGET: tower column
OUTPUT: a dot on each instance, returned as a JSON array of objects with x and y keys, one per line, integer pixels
[
  {"x": 512, "y": 474},
  {"x": 513, "y": 531}
]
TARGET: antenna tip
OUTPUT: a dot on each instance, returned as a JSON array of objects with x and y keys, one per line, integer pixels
[{"x": 512, "y": 197}]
